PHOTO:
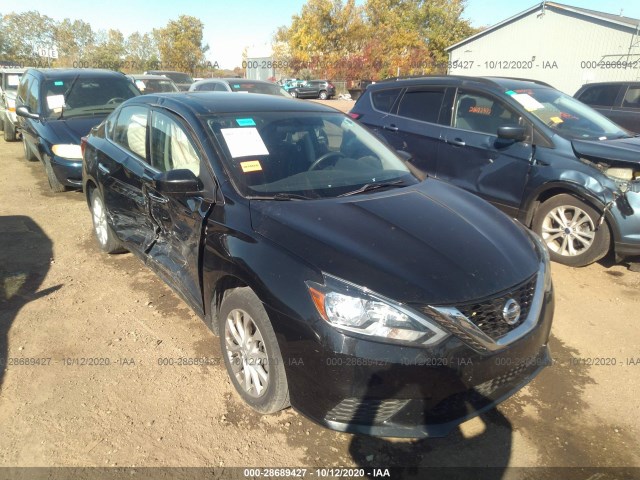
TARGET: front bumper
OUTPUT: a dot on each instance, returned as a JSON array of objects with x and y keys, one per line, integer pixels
[
  {"x": 68, "y": 172},
  {"x": 361, "y": 386}
]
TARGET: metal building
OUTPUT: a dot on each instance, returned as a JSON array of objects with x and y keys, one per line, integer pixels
[{"x": 562, "y": 45}]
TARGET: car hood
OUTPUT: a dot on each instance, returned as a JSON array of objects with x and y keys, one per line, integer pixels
[
  {"x": 620, "y": 150},
  {"x": 72, "y": 129},
  {"x": 431, "y": 243}
]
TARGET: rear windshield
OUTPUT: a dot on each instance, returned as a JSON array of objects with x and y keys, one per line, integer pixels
[
  {"x": 83, "y": 96},
  {"x": 179, "y": 77},
  {"x": 265, "y": 88},
  {"x": 156, "y": 85}
]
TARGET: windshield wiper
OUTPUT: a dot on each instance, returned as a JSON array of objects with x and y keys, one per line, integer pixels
[
  {"x": 367, "y": 187},
  {"x": 290, "y": 196},
  {"x": 66, "y": 95}
]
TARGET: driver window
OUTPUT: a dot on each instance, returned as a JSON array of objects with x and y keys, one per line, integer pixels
[
  {"x": 481, "y": 113},
  {"x": 171, "y": 148}
]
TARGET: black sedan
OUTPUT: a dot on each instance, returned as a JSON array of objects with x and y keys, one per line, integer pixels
[{"x": 338, "y": 282}]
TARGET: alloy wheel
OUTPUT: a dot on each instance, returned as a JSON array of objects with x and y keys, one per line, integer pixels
[
  {"x": 99, "y": 220},
  {"x": 568, "y": 230}
]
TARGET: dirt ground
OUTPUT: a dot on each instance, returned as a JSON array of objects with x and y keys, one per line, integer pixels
[{"x": 60, "y": 298}]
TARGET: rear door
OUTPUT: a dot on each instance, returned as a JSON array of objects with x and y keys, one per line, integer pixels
[
  {"x": 178, "y": 218},
  {"x": 472, "y": 156}
]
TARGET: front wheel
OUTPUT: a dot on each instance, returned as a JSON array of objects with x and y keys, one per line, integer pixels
[
  {"x": 251, "y": 352},
  {"x": 294, "y": 94},
  {"x": 28, "y": 154},
  {"x": 56, "y": 185},
  {"x": 569, "y": 228}
]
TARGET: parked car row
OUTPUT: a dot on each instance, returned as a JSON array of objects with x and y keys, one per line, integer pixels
[
  {"x": 9, "y": 81},
  {"x": 550, "y": 161}
]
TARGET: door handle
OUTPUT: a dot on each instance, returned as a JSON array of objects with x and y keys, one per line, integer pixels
[
  {"x": 456, "y": 141},
  {"x": 104, "y": 169},
  {"x": 156, "y": 198},
  {"x": 391, "y": 127}
]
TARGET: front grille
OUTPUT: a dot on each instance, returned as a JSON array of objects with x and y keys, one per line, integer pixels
[
  {"x": 364, "y": 411},
  {"x": 487, "y": 314}
]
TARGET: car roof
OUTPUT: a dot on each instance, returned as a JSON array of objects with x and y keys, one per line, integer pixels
[
  {"x": 205, "y": 103},
  {"x": 499, "y": 82},
  {"x": 60, "y": 73},
  {"x": 150, "y": 77},
  {"x": 234, "y": 80},
  {"x": 12, "y": 70},
  {"x": 618, "y": 82}
]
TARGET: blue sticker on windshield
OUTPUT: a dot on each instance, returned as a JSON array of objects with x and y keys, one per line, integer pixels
[
  {"x": 58, "y": 83},
  {"x": 237, "y": 85},
  {"x": 510, "y": 92},
  {"x": 245, "y": 122}
]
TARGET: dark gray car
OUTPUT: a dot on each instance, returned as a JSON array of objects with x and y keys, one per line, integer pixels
[
  {"x": 619, "y": 101},
  {"x": 541, "y": 156}
]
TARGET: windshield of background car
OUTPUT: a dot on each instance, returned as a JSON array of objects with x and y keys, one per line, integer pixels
[
  {"x": 179, "y": 77},
  {"x": 265, "y": 88},
  {"x": 153, "y": 85},
  {"x": 12, "y": 80},
  {"x": 565, "y": 115},
  {"x": 81, "y": 96},
  {"x": 315, "y": 155}
]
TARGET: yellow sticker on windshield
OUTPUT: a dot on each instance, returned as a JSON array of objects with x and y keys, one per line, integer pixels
[
  {"x": 252, "y": 166},
  {"x": 556, "y": 119}
]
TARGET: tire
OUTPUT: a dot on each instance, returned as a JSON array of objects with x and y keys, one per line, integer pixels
[
  {"x": 28, "y": 154},
  {"x": 9, "y": 132},
  {"x": 294, "y": 94},
  {"x": 323, "y": 95},
  {"x": 54, "y": 183},
  {"x": 260, "y": 362},
  {"x": 107, "y": 240},
  {"x": 569, "y": 228}
]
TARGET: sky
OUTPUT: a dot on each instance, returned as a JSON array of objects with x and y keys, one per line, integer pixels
[{"x": 232, "y": 25}]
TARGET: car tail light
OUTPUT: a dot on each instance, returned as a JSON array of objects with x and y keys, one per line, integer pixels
[
  {"x": 355, "y": 116},
  {"x": 331, "y": 85},
  {"x": 83, "y": 144}
]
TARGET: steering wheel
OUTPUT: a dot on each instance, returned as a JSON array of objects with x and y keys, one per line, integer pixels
[
  {"x": 115, "y": 100},
  {"x": 324, "y": 158}
]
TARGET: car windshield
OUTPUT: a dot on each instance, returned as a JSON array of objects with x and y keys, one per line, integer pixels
[
  {"x": 178, "y": 77},
  {"x": 567, "y": 116},
  {"x": 266, "y": 88},
  {"x": 81, "y": 96},
  {"x": 156, "y": 85},
  {"x": 304, "y": 155},
  {"x": 12, "y": 80}
]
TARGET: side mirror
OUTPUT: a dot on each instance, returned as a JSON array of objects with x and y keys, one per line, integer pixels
[
  {"x": 512, "y": 132},
  {"x": 23, "y": 111},
  {"x": 177, "y": 181}
]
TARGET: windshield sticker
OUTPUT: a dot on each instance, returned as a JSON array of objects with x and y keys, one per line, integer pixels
[
  {"x": 556, "y": 120},
  {"x": 510, "y": 92},
  {"x": 245, "y": 122},
  {"x": 55, "y": 101},
  {"x": 58, "y": 83},
  {"x": 252, "y": 166},
  {"x": 140, "y": 84},
  {"x": 244, "y": 142},
  {"x": 527, "y": 101},
  {"x": 13, "y": 80},
  {"x": 480, "y": 110}
]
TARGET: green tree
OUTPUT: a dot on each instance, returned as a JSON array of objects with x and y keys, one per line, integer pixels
[
  {"x": 142, "y": 52},
  {"x": 24, "y": 34},
  {"x": 180, "y": 44},
  {"x": 75, "y": 39},
  {"x": 109, "y": 50}
]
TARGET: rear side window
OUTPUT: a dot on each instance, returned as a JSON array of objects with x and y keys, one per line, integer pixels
[
  {"x": 131, "y": 130},
  {"x": 632, "y": 98},
  {"x": 383, "y": 100},
  {"x": 601, "y": 95},
  {"x": 422, "y": 105}
]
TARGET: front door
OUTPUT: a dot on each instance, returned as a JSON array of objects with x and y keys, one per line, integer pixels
[{"x": 473, "y": 157}]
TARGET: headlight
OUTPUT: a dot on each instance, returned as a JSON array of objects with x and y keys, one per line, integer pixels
[
  {"x": 69, "y": 151},
  {"x": 355, "y": 309}
]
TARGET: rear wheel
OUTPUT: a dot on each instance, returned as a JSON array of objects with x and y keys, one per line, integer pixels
[
  {"x": 251, "y": 352},
  {"x": 569, "y": 228},
  {"x": 9, "y": 132},
  {"x": 107, "y": 239},
  {"x": 323, "y": 95}
]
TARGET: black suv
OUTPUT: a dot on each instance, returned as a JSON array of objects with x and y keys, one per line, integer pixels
[
  {"x": 541, "y": 156},
  {"x": 619, "y": 101},
  {"x": 322, "y": 89},
  {"x": 56, "y": 107}
]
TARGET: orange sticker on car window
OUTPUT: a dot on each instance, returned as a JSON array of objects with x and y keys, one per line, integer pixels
[{"x": 252, "y": 166}]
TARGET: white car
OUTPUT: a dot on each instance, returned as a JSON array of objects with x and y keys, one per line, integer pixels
[{"x": 9, "y": 80}]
